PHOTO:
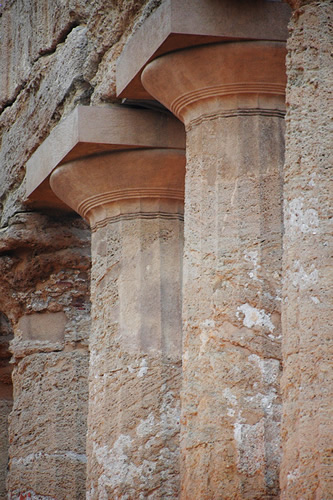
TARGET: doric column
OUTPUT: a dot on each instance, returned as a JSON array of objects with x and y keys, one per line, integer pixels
[
  {"x": 134, "y": 203},
  {"x": 307, "y": 383},
  {"x": 46, "y": 291},
  {"x": 231, "y": 98}
]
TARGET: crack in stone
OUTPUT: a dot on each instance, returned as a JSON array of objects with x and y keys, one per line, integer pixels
[
  {"x": 43, "y": 53},
  {"x": 60, "y": 39}
]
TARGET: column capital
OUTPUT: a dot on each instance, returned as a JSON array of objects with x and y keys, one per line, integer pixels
[
  {"x": 123, "y": 185},
  {"x": 219, "y": 77},
  {"x": 178, "y": 24},
  {"x": 87, "y": 136}
]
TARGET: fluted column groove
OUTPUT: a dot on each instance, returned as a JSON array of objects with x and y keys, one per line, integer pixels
[{"x": 230, "y": 97}]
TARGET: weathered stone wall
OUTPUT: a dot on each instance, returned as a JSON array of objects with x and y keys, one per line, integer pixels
[
  {"x": 307, "y": 304},
  {"x": 53, "y": 56},
  {"x": 5, "y": 408}
]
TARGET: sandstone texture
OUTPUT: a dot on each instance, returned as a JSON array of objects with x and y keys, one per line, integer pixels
[
  {"x": 48, "y": 425},
  {"x": 135, "y": 374},
  {"x": 231, "y": 309},
  {"x": 53, "y": 56},
  {"x": 134, "y": 203},
  {"x": 5, "y": 408},
  {"x": 45, "y": 291},
  {"x": 135, "y": 345},
  {"x": 103, "y": 393},
  {"x": 231, "y": 402},
  {"x": 6, "y": 397},
  {"x": 307, "y": 293}
]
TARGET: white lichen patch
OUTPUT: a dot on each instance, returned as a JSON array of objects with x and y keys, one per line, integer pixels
[
  {"x": 118, "y": 469},
  {"x": 299, "y": 219},
  {"x": 169, "y": 416},
  {"x": 254, "y": 317},
  {"x": 315, "y": 300},
  {"x": 293, "y": 475},
  {"x": 270, "y": 368},
  {"x": 208, "y": 323},
  {"x": 29, "y": 495},
  {"x": 251, "y": 446},
  {"x": 41, "y": 455},
  {"x": 146, "y": 426},
  {"x": 231, "y": 398},
  {"x": 143, "y": 368},
  {"x": 204, "y": 337},
  {"x": 302, "y": 279},
  {"x": 115, "y": 461},
  {"x": 312, "y": 179},
  {"x": 252, "y": 257}
]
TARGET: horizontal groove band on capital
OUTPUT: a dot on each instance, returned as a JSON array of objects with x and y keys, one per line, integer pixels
[
  {"x": 128, "y": 194},
  {"x": 223, "y": 90},
  {"x": 137, "y": 215},
  {"x": 232, "y": 113}
]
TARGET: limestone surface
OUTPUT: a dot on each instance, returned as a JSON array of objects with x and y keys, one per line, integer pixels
[
  {"x": 231, "y": 403},
  {"x": 48, "y": 425},
  {"x": 45, "y": 290},
  {"x": 135, "y": 364},
  {"x": 53, "y": 56},
  {"x": 307, "y": 293},
  {"x": 6, "y": 397}
]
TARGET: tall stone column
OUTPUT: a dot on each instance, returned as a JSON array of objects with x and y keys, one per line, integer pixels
[
  {"x": 231, "y": 98},
  {"x": 46, "y": 292},
  {"x": 134, "y": 203},
  {"x": 307, "y": 383}
]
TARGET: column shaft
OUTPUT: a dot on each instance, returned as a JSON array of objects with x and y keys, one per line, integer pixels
[
  {"x": 6, "y": 397},
  {"x": 231, "y": 312},
  {"x": 133, "y": 440},
  {"x": 48, "y": 421},
  {"x": 134, "y": 202},
  {"x": 307, "y": 293},
  {"x": 230, "y": 97}
]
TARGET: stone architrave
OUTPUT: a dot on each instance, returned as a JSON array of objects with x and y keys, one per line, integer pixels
[
  {"x": 133, "y": 200},
  {"x": 307, "y": 385},
  {"x": 231, "y": 98}
]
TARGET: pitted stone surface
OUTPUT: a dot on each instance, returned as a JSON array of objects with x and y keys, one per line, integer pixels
[
  {"x": 135, "y": 372},
  {"x": 6, "y": 397},
  {"x": 45, "y": 289},
  {"x": 5, "y": 409},
  {"x": 307, "y": 299},
  {"x": 44, "y": 269},
  {"x": 48, "y": 425},
  {"x": 231, "y": 401}
]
